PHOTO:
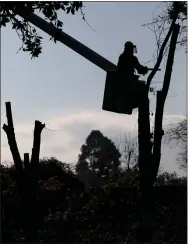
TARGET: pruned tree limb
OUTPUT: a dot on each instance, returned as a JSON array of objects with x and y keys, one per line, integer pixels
[
  {"x": 36, "y": 142},
  {"x": 27, "y": 176},
  {"x": 9, "y": 130}
]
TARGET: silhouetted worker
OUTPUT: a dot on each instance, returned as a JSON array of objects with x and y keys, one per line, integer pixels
[{"x": 127, "y": 62}]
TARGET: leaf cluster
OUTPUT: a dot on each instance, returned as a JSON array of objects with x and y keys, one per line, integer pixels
[{"x": 27, "y": 33}]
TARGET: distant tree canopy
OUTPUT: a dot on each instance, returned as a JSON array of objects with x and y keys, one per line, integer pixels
[
  {"x": 99, "y": 159},
  {"x": 27, "y": 33}
]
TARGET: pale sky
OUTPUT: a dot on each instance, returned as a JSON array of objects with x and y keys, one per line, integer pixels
[{"x": 65, "y": 91}]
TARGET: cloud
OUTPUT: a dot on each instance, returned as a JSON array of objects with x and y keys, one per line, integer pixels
[{"x": 66, "y": 134}]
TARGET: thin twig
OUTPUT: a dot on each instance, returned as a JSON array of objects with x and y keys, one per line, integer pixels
[{"x": 83, "y": 17}]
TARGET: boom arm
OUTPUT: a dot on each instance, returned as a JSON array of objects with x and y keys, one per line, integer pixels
[{"x": 69, "y": 41}]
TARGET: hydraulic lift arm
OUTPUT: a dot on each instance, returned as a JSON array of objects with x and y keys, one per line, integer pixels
[{"x": 67, "y": 40}]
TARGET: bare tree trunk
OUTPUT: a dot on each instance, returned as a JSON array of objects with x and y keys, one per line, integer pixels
[
  {"x": 144, "y": 162},
  {"x": 27, "y": 176},
  {"x": 36, "y": 143},
  {"x": 149, "y": 161},
  {"x": 33, "y": 174}
]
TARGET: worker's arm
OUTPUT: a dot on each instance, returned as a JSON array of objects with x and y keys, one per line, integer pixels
[{"x": 141, "y": 69}]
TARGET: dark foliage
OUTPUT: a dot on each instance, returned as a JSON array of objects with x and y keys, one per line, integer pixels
[
  {"x": 177, "y": 7},
  {"x": 69, "y": 213},
  {"x": 31, "y": 41},
  {"x": 181, "y": 8}
]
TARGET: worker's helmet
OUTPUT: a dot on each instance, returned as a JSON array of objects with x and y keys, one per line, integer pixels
[{"x": 130, "y": 46}]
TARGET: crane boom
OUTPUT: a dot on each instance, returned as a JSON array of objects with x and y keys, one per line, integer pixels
[{"x": 67, "y": 40}]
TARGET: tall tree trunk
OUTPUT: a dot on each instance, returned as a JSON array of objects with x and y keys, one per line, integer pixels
[
  {"x": 33, "y": 178},
  {"x": 149, "y": 161},
  {"x": 144, "y": 163}
]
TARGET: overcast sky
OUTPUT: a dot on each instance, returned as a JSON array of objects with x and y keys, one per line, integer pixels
[{"x": 65, "y": 91}]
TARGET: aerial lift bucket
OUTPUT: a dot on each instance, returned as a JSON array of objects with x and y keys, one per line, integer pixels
[{"x": 120, "y": 97}]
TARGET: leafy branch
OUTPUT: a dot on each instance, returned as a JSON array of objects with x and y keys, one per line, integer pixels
[{"x": 31, "y": 41}]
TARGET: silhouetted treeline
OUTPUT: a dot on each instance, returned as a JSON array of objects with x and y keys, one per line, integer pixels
[{"x": 71, "y": 211}]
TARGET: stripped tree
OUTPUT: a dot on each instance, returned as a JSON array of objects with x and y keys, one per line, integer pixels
[
  {"x": 26, "y": 174},
  {"x": 150, "y": 141}
]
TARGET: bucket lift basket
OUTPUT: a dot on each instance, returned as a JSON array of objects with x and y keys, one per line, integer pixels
[{"x": 122, "y": 97}]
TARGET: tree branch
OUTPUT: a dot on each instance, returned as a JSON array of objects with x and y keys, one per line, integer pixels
[
  {"x": 152, "y": 74},
  {"x": 9, "y": 130},
  {"x": 170, "y": 60}
]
